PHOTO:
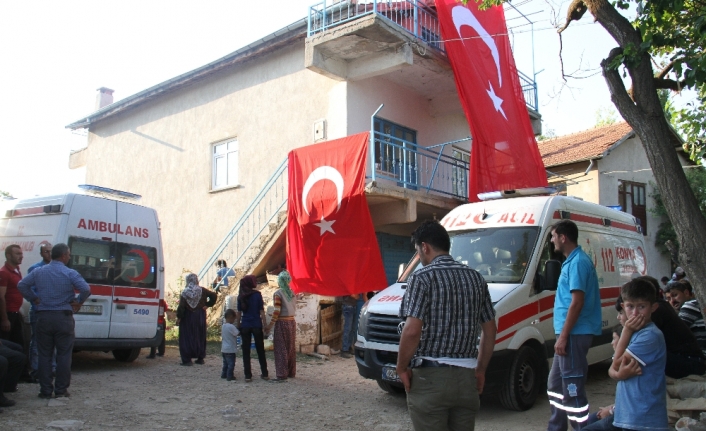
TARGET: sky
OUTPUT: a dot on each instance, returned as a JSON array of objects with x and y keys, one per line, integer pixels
[{"x": 56, "y": 54}]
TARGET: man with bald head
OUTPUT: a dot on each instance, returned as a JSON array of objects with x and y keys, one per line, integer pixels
[{"x": 45, "y": 253}]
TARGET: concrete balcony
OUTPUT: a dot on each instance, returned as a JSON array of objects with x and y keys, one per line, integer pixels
[{"x": 398, "y": 40}]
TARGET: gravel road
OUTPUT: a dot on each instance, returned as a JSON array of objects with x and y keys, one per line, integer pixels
[{"x": 160, "y": 394}]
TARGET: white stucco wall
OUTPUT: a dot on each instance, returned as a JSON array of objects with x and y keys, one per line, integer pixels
[
  {"x": 163, "y": 149},
  {"x": 628, "y": 162}
]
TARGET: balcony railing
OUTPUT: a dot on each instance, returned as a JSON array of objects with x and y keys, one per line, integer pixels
[{"x": 414, "y": 16}]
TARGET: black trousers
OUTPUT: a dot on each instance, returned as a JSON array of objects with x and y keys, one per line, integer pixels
[
  {"x": 12, "y": 363},
  {"x": 245, "y": 334},
  {"x": 55, "y": 330}
]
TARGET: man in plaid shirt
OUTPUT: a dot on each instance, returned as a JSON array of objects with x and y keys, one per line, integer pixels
[{"x": 446, "y": 306}]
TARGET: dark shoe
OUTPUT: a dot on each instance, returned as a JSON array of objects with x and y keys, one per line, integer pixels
[
  {"x": 186, "y": 364},
  {"x": 265, "y": 377},
  {"x": 345, "y": 355},
  {"x": 63, "y": 395},
  {"x": 160, "y": 354},
  {"x": 199, "y": 361},
  {"x": 27, "y": 378},
  {"x": 278, "y": 380},
  {"x": 248, "y": 379},
  {"x": 150, "y": 357},
  {"x": 230, "y": 379},
  {"x": 5, "y": 402},
  {"x": 223, "y": 377},
  {"x": 44, "y": 396},
  {"x": 11, "y": 390}
]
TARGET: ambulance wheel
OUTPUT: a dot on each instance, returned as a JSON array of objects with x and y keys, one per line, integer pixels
[
  {"x": 524, "y": 381},
  {"x": 390, "y": 388},
  {"x": 126, "y": 355}
]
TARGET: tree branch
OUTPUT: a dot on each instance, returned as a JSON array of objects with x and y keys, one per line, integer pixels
[
  {"x": 575, "y": 12},
  {"x": 670, "y": 84},
  {"x": 619, "y": 94}
]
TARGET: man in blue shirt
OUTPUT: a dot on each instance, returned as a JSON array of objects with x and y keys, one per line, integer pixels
[
  {"x": 577, "y": 318},
  {"x": 45, "y": 253},
  {"x": 56, "y": 303}
]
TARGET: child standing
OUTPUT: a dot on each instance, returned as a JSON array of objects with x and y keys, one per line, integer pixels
[
  {"x": 639, "y": 362},
  {"x": 229, "y": 337}
]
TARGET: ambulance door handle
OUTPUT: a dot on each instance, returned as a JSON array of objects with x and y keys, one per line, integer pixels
[
  {"x": 120, "y": 306},
  {"x": 534, "y": 322}
]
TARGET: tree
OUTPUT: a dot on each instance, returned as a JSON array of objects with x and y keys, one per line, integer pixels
[
  {"x": 605, "y": 117},
  {"x": 671, "y": 34},
  {"x": 697, "y": 180}
]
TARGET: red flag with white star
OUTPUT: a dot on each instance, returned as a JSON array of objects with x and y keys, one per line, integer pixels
[
  {"x": 331, "y": 244},
  {"x": 504, "y": 153}
]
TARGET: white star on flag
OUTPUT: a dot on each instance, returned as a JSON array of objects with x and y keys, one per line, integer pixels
[
  {"x": 325, "y": 226},
  {"x": 497, "y": 101}
]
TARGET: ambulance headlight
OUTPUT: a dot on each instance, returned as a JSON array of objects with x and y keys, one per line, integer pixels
[{"x": 363, "y": 322}]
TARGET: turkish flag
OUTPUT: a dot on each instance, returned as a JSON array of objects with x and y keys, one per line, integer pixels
[
  {"x": 331, "y": 244},
  {"x": 504, "y": 153}
]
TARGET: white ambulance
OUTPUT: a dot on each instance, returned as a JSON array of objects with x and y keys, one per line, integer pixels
[
  {"x": 116, "y": 246},
  {"x": 508, "y": 242}
]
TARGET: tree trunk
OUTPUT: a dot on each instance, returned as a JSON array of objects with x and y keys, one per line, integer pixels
[{"x": 644, "y": 113}]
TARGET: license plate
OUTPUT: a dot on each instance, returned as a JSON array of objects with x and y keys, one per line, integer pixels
[
  {"x": 91, "y": 309},
  {"x": 389, "y": 373}
]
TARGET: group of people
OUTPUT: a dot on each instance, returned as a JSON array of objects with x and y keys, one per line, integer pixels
[
  {"x": 248, "y": 320},
  {"x": 50, "y": 289},
  {"x": 449, "y": 332}
]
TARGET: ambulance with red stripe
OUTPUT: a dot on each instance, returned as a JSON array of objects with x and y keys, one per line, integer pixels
[
  {"x": 116, "y": 246},
  {"x": 508, "y": 241}
]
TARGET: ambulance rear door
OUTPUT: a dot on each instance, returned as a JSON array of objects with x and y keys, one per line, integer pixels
[
  {"x": 136, "y": 295},
  {"x": 91, "y": 234}
]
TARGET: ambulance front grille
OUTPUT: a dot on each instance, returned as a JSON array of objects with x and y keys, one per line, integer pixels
[{"x": 382, "y": 328}]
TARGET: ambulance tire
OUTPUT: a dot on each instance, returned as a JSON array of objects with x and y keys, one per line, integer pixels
[
  {"x": 126, "y": 355},
  {"x": 390, "y": 388},
  {"x": 524, "y": 381}
]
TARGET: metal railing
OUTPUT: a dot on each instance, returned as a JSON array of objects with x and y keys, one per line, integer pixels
[
  {"x": 529, "y": 91},
  {"x": 412, "y": 15},
  {"x": 417, "y": 168},
  {"x": 237, "y": 245}
]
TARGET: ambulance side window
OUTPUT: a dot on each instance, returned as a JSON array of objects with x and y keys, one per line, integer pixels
[
  {"x": 135, "y": 266},
  {"x": 547, "y": 254},
  {"x": 93, "y": 259}
]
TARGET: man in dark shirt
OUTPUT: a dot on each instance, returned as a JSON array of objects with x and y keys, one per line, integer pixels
[
  {"x": 446, "y": 307},
  {"x": 684, "y": 356}
]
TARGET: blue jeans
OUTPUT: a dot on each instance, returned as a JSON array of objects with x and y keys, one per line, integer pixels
[
  {"x": 605, "y": 424},
  {"x": 348, "y": 313},
  {"x": 228, "y": 366}
]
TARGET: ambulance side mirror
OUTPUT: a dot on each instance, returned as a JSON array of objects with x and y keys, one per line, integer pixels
[{"x": 552, "y": 270}]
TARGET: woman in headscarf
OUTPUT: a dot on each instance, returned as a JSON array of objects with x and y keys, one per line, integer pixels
[
  {"x": 285, "y": 328},
  {"x": 250, "y": 319},
  {"x": 191, "y": 319}
]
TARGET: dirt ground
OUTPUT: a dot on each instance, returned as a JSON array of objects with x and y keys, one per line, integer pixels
[{"x": 160, "y": 394}]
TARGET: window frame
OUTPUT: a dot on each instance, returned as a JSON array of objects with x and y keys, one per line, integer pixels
[
  {"x": 624, "y": 195},
  {"x": 215, "y": 156}
]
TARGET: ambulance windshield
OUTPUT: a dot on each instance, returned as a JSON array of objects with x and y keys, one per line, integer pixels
[{"x": 500, "y": 255}]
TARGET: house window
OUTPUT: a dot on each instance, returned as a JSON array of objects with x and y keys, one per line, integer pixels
[
  {"x": 632, "y": 200},
  {"x": 225, "y": 164},
  {"x": 396, "y": 151},
  {"x": 459, "y": 172}
]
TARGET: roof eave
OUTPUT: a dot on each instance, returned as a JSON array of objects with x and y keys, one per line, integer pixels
[{"x": 281, "y": 37}]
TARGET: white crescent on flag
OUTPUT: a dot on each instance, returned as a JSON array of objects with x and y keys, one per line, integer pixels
[
  {"x": 318, "y": 174},
  {"x": 463, "y": 16}
]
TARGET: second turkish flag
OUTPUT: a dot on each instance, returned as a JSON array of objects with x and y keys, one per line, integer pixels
[{"x": 331, "y": 244}]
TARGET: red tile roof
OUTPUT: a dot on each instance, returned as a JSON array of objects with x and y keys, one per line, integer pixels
[{"x": 589, "y": 144}]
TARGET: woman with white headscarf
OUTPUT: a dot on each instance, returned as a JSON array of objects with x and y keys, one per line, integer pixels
[
  {"x": 191, "y": 319},
  {"x": 285, "y": 328}
]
